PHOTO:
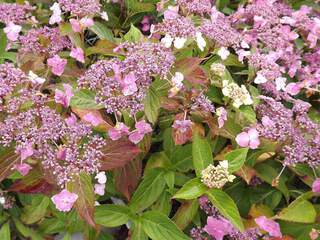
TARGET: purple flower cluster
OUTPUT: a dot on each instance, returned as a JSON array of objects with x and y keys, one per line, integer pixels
[
  {"x": 299, "y": 135},
  {"x": 64, "y": 147},
  {"x": 122, "y": 84},
  {"x": 47, "y": 41},
  {"x": 202, "y": 103},
  {"x": 13, "y": 12},
  {"x": 200, "y": 7},
  {"x": 80, "y": 8}
]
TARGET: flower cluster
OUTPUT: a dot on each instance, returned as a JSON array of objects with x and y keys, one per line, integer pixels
[
  {"x": 216, "y": 176},
  {"x": 80, "y": 8},
  {"x": 15, "y": 13}
]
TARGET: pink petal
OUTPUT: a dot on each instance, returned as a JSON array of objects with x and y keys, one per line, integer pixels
[
  {"x": 114, "y": 134},
  {"x": 57, "y": 64},
  {"x": 26, "y": 152},
  {"x": 64, "y": 200},
  {"x": 78, "y": 54},
  {"x": 269, "y": 226},
  {"x": 135, "y": 137},
  {"x": 75, "y": 24},
  {"x": 243, "y": 139},
  {"x": 143, "y": 127},
  {"x": 316, "y": 186},
  {"x": 293, "y": 88},
  {"x": 93, "y": 119},
  {"x": 23, "y": 168}
]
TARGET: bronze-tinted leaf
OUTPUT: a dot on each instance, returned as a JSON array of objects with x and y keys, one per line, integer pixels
[
  {"x": 33, "y": 183},
  {"x": 181, "y": 136},
  {"x": 127, "y": 177},
  {"x": 8, "y": 159},
  {"x": 118, "y": 153},
  {"x": 82, "y": 186},
  {"x": 192, "y": 71}
]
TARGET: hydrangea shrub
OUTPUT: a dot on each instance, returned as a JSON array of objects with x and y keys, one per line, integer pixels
[{"x": 186, "y": 119}]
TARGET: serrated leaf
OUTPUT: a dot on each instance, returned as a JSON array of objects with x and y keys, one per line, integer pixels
[
  {"x": 191, "y": 190},
  {"x": 159, "y": 227},
  {"x": 226, "y": 206},
  {"x": 102, "y": 31},
  {"x": 201, "y": 153},
  {"x": 152, "y": 105},
  {"x": 236, "y": 159},
  {"x": 185, "y": 214},
  {"x": 82, "y": 186},
  {"x": 111, "y": 215},
  {"x": 148, "y": 191},
  {"x": 84, "y": 99},
  {"x": 300, "y": 210}
]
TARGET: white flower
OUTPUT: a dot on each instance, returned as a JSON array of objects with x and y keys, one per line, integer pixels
[
  {"x": 102, "y": 178},
  {"x": 2, "y": 200},
  {"x": 34, "y": 78},
  {"x": 179, "y": 42},
  {"x": 280, "y": 83},
  {"x": 56, "y": 16},
  {"x": 223, "y": 53},
  {"x": 167, "y": 40},
  {"x": 239, "y": 95},
  {"x": 104, "y": 16},
  {"x": 260, "y": 79},
  {"x": 200, "y": 41}
]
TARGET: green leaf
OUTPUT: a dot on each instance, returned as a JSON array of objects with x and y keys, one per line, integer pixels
[
  {"x": 159, "y": 227},
  {"x": 300, "y": 210},
  {"x": 111, "y": 215},
  {"x": 236, "y": 159},
  {"x": 137, "y": 232},
  {"x": 3, "y": 41},
  {"x": 84, "y": 99},
  {"x": 248, "y": 113},
  {"x": 25, "y": 231},
  {"x": 201, "y": 153},
  {"x": 181, "y": 158},
  {"x": 148, "y": 191},
  {"x": 133, "y": 35},
  {"x": 102, "y": 31},
  {"x": 191, "y": 190},
  {"x": 267, "y": 173},
  {"x": 163, "y": 204},
  {"x": 185, "y": 214},
  {"x": 152, "y": 105},
  {"x": 226, "y": 206},
  {"x": 36, "y": 211},
  {"x": 5, "y": 231}
]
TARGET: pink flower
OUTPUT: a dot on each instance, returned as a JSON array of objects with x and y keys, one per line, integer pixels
[
  {"x": 57, "y": 64},
  {"x": 316, "y": 186},
  {"x": 75, "y": 24},
  {"x": 118, "y": 131},
  {"x": 218, "y": 228},
  {"x": 269, "y": 226},
  {"x": 93, "y": 119},
  {"x": 78, "y": 54},
  {"x": 79, "y": 26},
  {"x": 64, "y": 200},
  {"x": 99, "y": 189},
  {"x": 64, "y": 97},
  {"x": 142, "y": 128},
  {"x": 129, "y": 86},
  {"x": 26, "y": 151},
  {"x": 248, "y": 139},
  {"x": 12, "y": 31},
  {"x": 222, "y": 116},
  {"x": 72, "y": 120},
  {"x": 293, "y": 88},
  {"x": 23, "y": 168}
]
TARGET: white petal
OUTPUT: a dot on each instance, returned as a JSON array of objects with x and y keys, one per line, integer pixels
[
  {"x": 260, "y": 79},
  {"x": 224, "y": 164},
  {"x": 280, "y": 83},
  {"x": 167, "y": 40},
  {"x": 223, "y": 53},
  {"x": 179, "y": 42},
  {"x": 200, "y": 41}
]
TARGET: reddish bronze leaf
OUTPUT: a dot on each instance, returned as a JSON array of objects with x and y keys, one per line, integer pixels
[
  {"x": 192, "y": 71},
  {"x": 118, "y": 153},
  {"x": 82, "y": 186},
  {"x": 127, "y": 177},
  {"x": 8, "y": 159},
  {"x": 33, "y": 183}
]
